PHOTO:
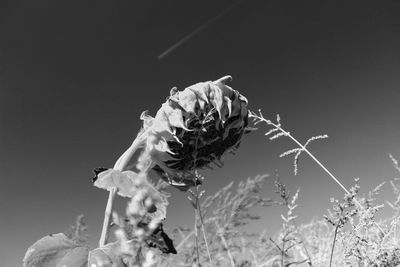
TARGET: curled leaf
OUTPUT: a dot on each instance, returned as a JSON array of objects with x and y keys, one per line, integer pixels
[
  {"x": 97, "y": 171},
  {"x": 56, "y": 251},
  {"x": 125, "y": 181}
]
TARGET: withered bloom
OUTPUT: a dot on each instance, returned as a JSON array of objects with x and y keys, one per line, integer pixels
[{"x": 192, "y": 129}]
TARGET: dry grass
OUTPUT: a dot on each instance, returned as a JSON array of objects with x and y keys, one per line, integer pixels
[{"x": 349, "y": 235}]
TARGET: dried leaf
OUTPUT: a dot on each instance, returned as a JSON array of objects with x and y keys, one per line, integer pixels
[
  {"x": 123, "y": 181},
  {"x": 159, "y": 239},
  {"x": 97, "y": 171}
]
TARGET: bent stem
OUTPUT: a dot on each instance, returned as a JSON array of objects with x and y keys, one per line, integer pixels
[
  {"x": 120, "y": 165},
  {"x": 107, "y": 217}
]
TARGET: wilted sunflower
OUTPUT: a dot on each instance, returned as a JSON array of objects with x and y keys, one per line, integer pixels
[{"x": 192, "y": 129}]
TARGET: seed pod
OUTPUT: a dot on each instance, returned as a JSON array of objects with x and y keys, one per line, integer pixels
[{"x": 193, "y": 129}]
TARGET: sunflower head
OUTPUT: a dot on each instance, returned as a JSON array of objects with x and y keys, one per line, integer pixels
[{"x": 193, "y": 129}]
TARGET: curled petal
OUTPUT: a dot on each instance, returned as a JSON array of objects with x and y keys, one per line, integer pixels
[
  {"x": 223, "y": 80},
  {"x": 146, "y": 118},
  {"x": 186, "y": 100},
  {"x": 228, "y": 107},
  {"x": 174, "y": 116}
]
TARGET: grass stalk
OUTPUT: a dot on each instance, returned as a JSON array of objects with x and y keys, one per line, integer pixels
[
  {"x": 303, "y": 148},
  {"x": 303, "y": 243},
  {"x": 202, "y": 228},
  {"x": 187, "y": 237},
  {"x": 196, "y": 235},
  {"x": 221, "y": 234},
  {"x": 198, "y": 210},
  {"x": 333, "y": 245},
  {"x": 283, "y": 253}
]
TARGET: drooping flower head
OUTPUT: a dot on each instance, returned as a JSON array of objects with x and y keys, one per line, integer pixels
[{"x": 193, "y": 129}]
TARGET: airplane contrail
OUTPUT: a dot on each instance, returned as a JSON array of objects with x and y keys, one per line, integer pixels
[{"x": 197, "y": 30}]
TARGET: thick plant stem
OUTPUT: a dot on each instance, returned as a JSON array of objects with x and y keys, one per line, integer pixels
[
  {"x": 107, "y": 217},
  {"x": 120, "y": 165}
]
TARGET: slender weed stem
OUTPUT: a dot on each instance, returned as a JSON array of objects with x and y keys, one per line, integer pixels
[
  {"x": 302, "y": 147},
  {"x": 196, "y": 235},
  {"x": 333, "y": 245},
  {"x": 198, "y": 209},
  {"x": 202, "y": 227}
]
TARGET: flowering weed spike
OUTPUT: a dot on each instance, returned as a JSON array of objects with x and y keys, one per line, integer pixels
[
  {"x": 303, "y": 148},
  {"x": 289, "y": 152},
  {"x": 271, "y": 131},
  {"x": 276, "y": 136},
  {"x": 395, "y": 162},
  {"x": 315, "y": 138}
]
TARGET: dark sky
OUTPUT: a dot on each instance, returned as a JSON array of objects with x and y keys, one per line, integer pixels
[{"x": 75, "y": 76}]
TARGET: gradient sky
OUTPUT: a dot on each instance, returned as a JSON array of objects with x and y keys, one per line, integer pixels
[{"x": 75, "y": 76}]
